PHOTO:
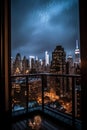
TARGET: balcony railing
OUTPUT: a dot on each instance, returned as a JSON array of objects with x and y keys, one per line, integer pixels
[{"x": 53, "y": 94}]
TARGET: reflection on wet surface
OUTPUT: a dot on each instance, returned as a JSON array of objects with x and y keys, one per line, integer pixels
[{"x": 36, "y": 123}]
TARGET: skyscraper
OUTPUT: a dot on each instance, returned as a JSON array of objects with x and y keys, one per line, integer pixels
[
  {"x": 77, "y": 53},
  {"x": 18, "y": 64},
  {"x": 58, "y": 65},
  {"x": 31, "y": 59},
  {"x": 58, "y": 60},
  {"x": 46, "y": 58}
]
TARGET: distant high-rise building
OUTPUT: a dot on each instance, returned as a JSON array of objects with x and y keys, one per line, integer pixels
[
  {"x": 77, "y": 53},
  {"x": 58, "y": 65},
  {"x": 58, "y": 60},
  {"x": 12, "y": 65},
  {"x": 18, "y": 64},
  {"x": 70, "y": 68},
  {"x": 25, "y": 65},
  {"x": 36, "y": 58},
  {"x": 31, "y": 59},
  {"x": 41, "y": 62},
  {"x": 70, "y": 60},
  {"x": 46, "y": 58}
]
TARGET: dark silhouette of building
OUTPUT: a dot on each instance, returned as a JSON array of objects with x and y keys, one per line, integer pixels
[
  {"x": 18, "y": 64},
  {"x": 58, "y": 60}
]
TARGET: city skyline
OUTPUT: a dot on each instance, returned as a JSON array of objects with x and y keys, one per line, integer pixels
[
  {"x": 49, "y": 58},
  {"x": 39, "y": 26}
]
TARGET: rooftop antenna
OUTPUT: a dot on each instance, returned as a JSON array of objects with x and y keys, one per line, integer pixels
[{"x": 77, "y": 44}]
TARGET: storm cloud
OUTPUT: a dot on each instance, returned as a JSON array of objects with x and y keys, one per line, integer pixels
[{"x": 40, "y": 25}]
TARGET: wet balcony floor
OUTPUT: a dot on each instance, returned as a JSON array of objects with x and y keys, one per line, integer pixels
[{"x": 37, "y": 123}]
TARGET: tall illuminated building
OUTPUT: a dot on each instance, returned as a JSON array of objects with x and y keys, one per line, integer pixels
[
  {"x": 58, "y": 60},
  {"x": 77, "y": 53},
  {"x": 46, "y": 58},
  {"x": 58, "y": 66},
  {"x": 31, "y": 60}
]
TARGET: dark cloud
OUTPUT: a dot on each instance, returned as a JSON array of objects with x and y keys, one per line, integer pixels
[{"x": 40, "y": 25}]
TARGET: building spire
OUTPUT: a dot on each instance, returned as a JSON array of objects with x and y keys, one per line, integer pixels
[
  {"x": 77, "y": 53},
  {"x": 77, "y": 44}
]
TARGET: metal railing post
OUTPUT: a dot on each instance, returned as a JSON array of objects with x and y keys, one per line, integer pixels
[
  {"x": 73, "y": 102},
  {"x": 44, "y": 84},
  {"x": 27, "y": 89}
]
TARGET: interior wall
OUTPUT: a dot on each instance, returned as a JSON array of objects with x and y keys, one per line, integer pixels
[
  {"x": 5, "y": 55},
  {"x": 83, "y": 45}
]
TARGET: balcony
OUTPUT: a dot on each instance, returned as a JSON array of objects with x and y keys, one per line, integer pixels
[{"x": 49, "y": 95}]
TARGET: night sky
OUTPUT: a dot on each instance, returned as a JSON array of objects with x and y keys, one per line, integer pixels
[{"x": 40, "y": 25}]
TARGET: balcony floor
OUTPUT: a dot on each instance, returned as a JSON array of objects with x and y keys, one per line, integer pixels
[
  {"x": 44, "y": 125},
  {"x": 47, "y": 123}
]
